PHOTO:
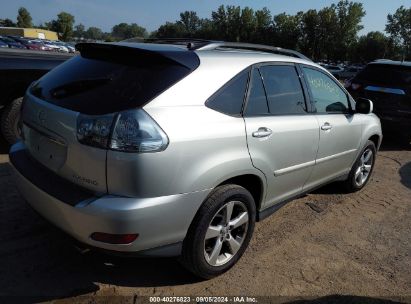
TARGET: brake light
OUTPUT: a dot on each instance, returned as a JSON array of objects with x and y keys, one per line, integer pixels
[{"x": 128, "y": 131}]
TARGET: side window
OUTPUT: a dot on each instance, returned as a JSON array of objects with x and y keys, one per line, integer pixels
[
  {"x": 229, "y": 99},
  {"x": 284, "y": 91},
  {"x": 327, "y": 95},
  {"x": 257, "y": 101}
]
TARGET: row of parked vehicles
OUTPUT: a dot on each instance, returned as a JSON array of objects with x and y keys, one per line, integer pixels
[
  {"x": 16, "y": 42},
  {"x": 342, "y": 71}
]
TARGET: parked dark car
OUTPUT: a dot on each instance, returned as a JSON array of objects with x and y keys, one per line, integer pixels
[
  {"x": 18, "y": 69},
  {"x": 350, "y": 72},
  {"x": 335, "y": 70},
  {"x": 388, "y": 84},
  {"x": 13, "y": 44},
  {"x": 3, "y": 44}
]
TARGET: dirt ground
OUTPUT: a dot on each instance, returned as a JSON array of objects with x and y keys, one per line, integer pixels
[{"x": 325, "y": 244}]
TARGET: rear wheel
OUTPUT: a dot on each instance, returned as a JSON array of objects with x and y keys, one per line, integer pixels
[
  {"x": 10, "y": 121},
  {"x": 361, "y": 171},
  {"x": 220, "y": 232}
]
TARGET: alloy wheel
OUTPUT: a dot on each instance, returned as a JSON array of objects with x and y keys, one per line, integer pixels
[
  {"x": 226, "y": 233},
  {"x": 364, "y": 169}
]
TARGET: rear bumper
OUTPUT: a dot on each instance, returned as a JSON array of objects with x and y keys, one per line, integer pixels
[{"x": 159, "y": 221}]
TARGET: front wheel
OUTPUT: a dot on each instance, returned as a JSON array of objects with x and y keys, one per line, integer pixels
[
  {"x": 361, "y": 171},
  {"x": 220, "y": 232}
]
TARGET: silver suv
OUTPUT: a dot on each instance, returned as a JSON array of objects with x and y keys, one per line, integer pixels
[{"x": 175, "y": 150}]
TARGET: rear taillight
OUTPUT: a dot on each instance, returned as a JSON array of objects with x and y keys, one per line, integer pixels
[
  {"x": 136, "y": 131},
  {"x": 129, "y": 131},
  {"x": 94, "y": 130}
]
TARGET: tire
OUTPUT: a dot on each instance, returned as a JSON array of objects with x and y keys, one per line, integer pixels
[
  {"x": 10, "y": 118},
  {"x": 360, "y": 172},
  {"x": 209, "y": 229}
]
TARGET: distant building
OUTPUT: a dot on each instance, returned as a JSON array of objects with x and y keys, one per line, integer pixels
[{"x": 29, "y": 33}]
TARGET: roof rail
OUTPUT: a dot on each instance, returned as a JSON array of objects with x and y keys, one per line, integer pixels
[
  {"x": 252, "y": 47},
  {"x": 204, "y": 44},
  {"x": 190, "y": 43}
]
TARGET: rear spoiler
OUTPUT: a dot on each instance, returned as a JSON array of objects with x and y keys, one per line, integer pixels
[{"x": 139, "y": 54}]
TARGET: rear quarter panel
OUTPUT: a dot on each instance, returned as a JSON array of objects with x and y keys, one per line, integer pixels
[{"x": 205, "y": 148}]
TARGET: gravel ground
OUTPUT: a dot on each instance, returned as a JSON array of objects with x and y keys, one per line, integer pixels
[{"x": 325, "y": 244}]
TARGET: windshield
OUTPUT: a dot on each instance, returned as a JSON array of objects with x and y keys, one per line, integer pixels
[{"x": 99, "y": 86}]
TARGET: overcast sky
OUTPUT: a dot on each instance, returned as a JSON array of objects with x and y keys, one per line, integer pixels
[{"x": 151, "y": 14}]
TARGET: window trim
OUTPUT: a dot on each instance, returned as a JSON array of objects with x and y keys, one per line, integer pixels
[
  {"x": 224, "y": 86},
  {"x": 257, "y": 66},
  {"x": 311, "y": 98}
]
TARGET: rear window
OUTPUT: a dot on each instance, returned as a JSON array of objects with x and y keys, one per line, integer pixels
[
  {"x": 386, "y": 74},
  {"x": 229, "y": 99},
  {"x": 107, "y": 84}
]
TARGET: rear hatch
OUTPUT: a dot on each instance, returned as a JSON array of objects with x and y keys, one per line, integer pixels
[
  {"x": 388, "y": 86},
  {"x": 104, "y": 80}
]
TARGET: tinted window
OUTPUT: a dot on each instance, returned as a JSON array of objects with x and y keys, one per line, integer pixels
[
  {"x": 283, "y": 88},
  {"x": 98, "y": 86},
  {"x": 386, "y": 74},
  {"x": 229, "y": 99},
  {"x": 327, "y": 95},
  {"x": 257, "y": 101}
]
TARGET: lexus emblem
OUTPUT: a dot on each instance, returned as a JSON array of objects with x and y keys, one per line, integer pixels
[{"x": 42, "y": 117}]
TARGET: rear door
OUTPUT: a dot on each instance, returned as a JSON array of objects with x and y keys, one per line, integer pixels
[
  {"x": 340, "y": 130},
  {"x": 282, "y": 134}
]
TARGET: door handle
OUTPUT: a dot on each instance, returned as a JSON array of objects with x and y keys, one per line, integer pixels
[
  {"x": 262, "y": 132},
  {"x": 326, "y": 126}
]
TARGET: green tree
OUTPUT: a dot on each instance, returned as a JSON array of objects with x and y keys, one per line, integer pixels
[
  {"x": 24, "y": 18},
  {"x": 233, "y": 20},
  {"x": 79, "y": 31},
  {"x": 107, "y": 37},
  {"x": 330, "y": 33},
  {"x": 263, "y": 26},
  {"x": 94, "y": 33},
  {"x": 123, "y": 31},
  {"x": 399, "y": 28},
  {"x": 372, "y": 46},
  {"x": 7, "y": 23},
  {"x": 310, "y": 37},
  {"x": 349, "y": 15},
  {"x": 171, "y": 30},
  {"x": 63, "y": 25},
  {"x": 248, "y": 24},
  {"x": 206, "y": 30},
  {"x": 190, "y": 23},
  {"x": 287, "y": 30},
  {"x": 219, "y": 22},
  {"x": 327, "y": 30}
]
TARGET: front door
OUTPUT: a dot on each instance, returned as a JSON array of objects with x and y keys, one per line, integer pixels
[{"x": 340, "y": 130}]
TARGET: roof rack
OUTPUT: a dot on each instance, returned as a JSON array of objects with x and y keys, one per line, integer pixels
[
  {"x": 204, "y": 44},
  {"x": 190, "y": 43},
  {"x": 252, "y": 47}
]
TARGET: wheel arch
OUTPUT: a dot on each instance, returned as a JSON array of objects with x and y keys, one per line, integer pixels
[
  {"x": 252, "y": 183},
  {"x": 375, "y": 139}
]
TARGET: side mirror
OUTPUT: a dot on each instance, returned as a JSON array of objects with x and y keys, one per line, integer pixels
[{"x": 363, "y": 106}]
